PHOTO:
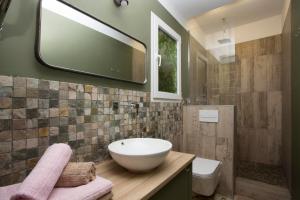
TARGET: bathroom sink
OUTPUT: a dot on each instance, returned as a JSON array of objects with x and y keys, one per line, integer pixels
[{"x": 139, "y": 154}]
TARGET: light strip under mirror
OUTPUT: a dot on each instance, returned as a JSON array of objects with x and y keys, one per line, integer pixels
[{"x": 76, "y": 16}]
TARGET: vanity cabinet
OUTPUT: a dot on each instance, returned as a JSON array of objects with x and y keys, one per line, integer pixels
[
  {"x": 170, "y": 181},
  {"x": 180, "y": 188}
]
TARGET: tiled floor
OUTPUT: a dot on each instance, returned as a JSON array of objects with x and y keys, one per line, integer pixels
[
  {"x": 238, "y": 197},
  {"x": 215, "y": 197},
  {"x": 220, "y": 197},
  {"x": 255, "y": 190},
  {"x": 270, "y": 174}
]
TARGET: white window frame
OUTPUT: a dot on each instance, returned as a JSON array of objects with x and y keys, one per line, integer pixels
[{"x": 156, "y": 95}]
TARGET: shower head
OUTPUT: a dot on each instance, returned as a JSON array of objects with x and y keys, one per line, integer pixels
[{"x": 224, "y": 41}]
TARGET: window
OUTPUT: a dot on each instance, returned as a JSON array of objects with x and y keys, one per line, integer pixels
[{"x": 165, "y": 61}]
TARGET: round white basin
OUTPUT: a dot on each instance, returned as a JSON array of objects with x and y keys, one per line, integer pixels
[{"x": 139, "y": 154}]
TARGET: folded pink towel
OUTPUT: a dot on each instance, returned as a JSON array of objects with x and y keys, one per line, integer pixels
[
  {"x": 91, "y": 191},
  {"x": 7, "y": 191},
  {"x": 41, "y": 180}
]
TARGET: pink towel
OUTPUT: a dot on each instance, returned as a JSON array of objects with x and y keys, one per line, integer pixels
[
  {"x": 40, "y": 182},
  {"x": 7, "y": 191},
  {"x": 91, "y": 191}
]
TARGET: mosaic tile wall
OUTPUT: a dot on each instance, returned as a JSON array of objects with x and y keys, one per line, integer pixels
[{"x": 37, "y": 113}]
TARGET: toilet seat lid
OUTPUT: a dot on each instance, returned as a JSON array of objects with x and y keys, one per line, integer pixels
[{"x": 204, "y": 167}]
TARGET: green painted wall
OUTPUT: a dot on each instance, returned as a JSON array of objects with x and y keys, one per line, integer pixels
[
  {"x": 295, "y": 100},
  {"x": 17, "y": 40}
]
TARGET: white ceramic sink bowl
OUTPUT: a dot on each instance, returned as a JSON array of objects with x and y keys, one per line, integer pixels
[{"x": 140, "y": 154}]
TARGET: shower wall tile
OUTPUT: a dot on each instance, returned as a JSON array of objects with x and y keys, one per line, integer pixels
[
  {"x": 247, "y": 110},
  {"x": 36, "y": 113},
  {"x": 275, "y": 72},
  {"x": 261, "y": 73},
  {"x": 274, "y": 110},
  {"x": 260, "y": 110},
  {"x": 263, "y": 46},
  {"x": 247, "y": 77},
  {"x": 253, "y": 85},
  {"x": 256, "y": 145}
]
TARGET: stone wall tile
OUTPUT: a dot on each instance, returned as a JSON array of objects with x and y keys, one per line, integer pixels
[
  {"x": 31, "y": 103},
  {"x": 54, "y": 85},
  {"x": 31, "y": 133},
  {"x": 43, "y": 103},
  {"x": 5, "y": 136},
  {"x": 43, "y": 132},
  {"x": 5, "y": 102},
  {"x": 32, "y": 83},
  {"x": 44, "y": 85},
  {"x": 5, "y": 147},
  {"x": 32, "y": 93},
  {"x": 43, "y": 113},
  {"x": 19, "y": 92},
  {"x": 19, "y": 113},
  {"x": 18, "y": 102},
  {"x": 53, "y": 94},
  {"x": 19, "y": 124},
  {"x": 19, "y": 145},
  {"x": 32, "y": 143},
  {"x": 6, "y": 81},
  {"x": 5, "y": 113},
  {"x": 19, "y": 82},
  {"x": 6, "y": 92},
  {"x": 19, "y": 134}
]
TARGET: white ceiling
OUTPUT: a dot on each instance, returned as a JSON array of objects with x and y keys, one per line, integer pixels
[
  {"x": 239, "y": 13},
  {"x": 209, "y": 13},
  {"x": 190, "y": 8}
]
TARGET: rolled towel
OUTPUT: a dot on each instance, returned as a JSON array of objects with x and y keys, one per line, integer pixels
[
  {"x": 93, "y": 190},
  {"x": 42, "y": 179},
  {"x": 76, "y": 174}
]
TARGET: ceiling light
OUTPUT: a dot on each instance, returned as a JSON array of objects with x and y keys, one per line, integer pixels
[{"x": 122, "y": 3}]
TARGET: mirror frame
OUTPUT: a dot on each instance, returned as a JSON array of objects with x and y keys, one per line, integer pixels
[
  {"x": 57, "y": 67},
  {"x": 4, "y": 5}
]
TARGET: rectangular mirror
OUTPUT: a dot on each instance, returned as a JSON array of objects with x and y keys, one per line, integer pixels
[
  {"x": 4, "y": 4},
  {"x": 70, "y": 39}
]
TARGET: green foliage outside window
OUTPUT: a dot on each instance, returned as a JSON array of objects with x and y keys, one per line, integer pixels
[{"x": 168, "y": 68}]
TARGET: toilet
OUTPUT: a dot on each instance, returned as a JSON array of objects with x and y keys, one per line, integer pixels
[{"x": 206, "y": 176}]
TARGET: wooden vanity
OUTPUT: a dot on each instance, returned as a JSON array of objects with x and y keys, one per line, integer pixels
[{"x": 171, "y": 180}]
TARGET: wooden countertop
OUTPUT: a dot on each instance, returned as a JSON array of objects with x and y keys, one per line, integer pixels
[{"x": 132, "y": 186}]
